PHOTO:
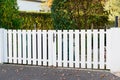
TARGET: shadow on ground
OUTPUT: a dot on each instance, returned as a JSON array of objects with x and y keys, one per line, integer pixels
[{"x": 23, "y": 72}]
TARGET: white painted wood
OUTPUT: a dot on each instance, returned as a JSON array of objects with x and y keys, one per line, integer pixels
[
  {"x": 29, "y": 46},
  {"x": 14, "y": 47},
  {"x": 39, "y": 47},
  {"x": 1, "y": 50},
  {"x": 89, "y": 49},
  {"x": 5, "y": 46},
  {"x": 109, "y": 49},
  {"x": 102, "y": 49},
  {"x": 24, "y": 46},
  {"x": 114, "y": 50},
  {"x": 95, "y": 49},
  {"x": 10, "y": 45},
  {"x": 1, "y": 45},
  {"x": 59, "y": 48},
  {"x": 82, "y": 48},
  {"x": 19, "y": 47},
  {"x": 70, "y": 48},
  {"x": 54, "y": 56},
  {"x": 50, "y": 40},
  {"x": 34, "y": 46},
  {"x": 54, "y": 48},
  {"x": 44, "y": 47},
  {"x": 65, "y": 48},
  {"x": 77, "y": 54}
]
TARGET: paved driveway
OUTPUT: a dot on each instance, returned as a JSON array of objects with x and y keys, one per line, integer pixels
[{"x": 23, "y": 72}]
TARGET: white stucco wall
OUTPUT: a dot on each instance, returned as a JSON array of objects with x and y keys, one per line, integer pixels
[{"x": 29, "y": 6}]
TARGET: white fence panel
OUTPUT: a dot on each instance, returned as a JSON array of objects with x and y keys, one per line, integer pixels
[
  {"x": 89, "y": 49},
  {"x": 5, "y": 46},
  {"x": 29, "y": 46},
  {"x": 24, "y": 46},
  {"x": 67, "y": 48},
  {"x": 60, "y": 48},
  {"x": 102, "y": 49},
  {"x": 77, "y": 52},
  {"x": 50, "y": 47},
  {"x": 39, "y": 47},
  {"x": 83, "y": 49},
  {"x": 54, "y": 48},
  {"x": 1, "y": 46},
  {"x": 108, "y": 49},
  {"x": 70, "y": 48},
  {"x": 65, "y": 56},
  {"x": 115, "y": 49},
  {"x": 10, "y": 45},
  {"x": 34, "y": 47},
  {"x": 14, "y": 47},
  {"x": 19, "y": 47},
  {"x": 95, "y": 49},
  {"x": 45, "y": 47}
]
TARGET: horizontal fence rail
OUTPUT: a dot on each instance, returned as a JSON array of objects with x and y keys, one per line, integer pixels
[{"x": 59, "y": 48}]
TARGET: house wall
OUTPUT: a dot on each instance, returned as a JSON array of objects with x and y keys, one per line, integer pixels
[{"x": 31, "y": 6}]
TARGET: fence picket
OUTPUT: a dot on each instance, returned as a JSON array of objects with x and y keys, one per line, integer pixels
[
  {"x": 108, "y": 49},
  {"x": 34, "y": 46},
  {"x": 14, "y": 47},
  {"x": 44, "y": 47},
  {"x": 95, "y": 49},
  {"x": 5, "y": 47},
  {"x": 39, "y": 47},
  {"x": 89, "y": 48},
  {"x": 19, "y": 47},
  {"x": 65, "y": 56},
  {"x": 71, "y": 48},
  {"x": 59, "y": 48},
  {"x": 77, "y": 49},
  {"x": 29, "y": 46},
  {"x": 10, "y": 45},
  {"x": 24, "y": 46},
  {"x": 82, "y": 48},
  {"x": 1, "y": 45},
  {"x": 54, "y": 48},
  {"x": 102, "y": 49},
  {"x": 50, "y": 39}
]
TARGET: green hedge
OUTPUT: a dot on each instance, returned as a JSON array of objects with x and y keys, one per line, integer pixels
[
  {"x": 9, "y": 15},
  {"x": 79, "y": 14},
  {"x": 32, "y": 20}
]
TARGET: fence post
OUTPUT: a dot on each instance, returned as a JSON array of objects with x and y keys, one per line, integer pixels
[
  {"x": 1, "y": 45},
  {"x": 114, "y": 58}
]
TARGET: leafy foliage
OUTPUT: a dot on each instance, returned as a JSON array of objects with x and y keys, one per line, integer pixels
[
  {"x": 36, "y": 20},
  {"x": 9, "y": 15},
  {"x": 113, "y": 6},
  {"x": 11, "y": 18},
  {"x": 78, "y": 14}
]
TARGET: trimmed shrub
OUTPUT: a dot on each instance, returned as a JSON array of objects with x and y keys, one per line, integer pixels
[
  {"x": 78, "y": 14},
  {"x": 9, "y": 14},
  {"x": 36, "y": 20}
]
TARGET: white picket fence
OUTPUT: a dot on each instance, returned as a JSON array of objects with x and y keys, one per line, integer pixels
[{"x": 67, "y": 48}]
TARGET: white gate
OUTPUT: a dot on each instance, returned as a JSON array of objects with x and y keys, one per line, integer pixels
[{"x": 67, "y": 48}]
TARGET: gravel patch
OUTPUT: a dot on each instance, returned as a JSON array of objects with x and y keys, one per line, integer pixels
[{"x": 24, "y": 72}]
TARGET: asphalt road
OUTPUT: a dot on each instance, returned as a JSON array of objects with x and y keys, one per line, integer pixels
[{"x": 24, "y": 72}]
